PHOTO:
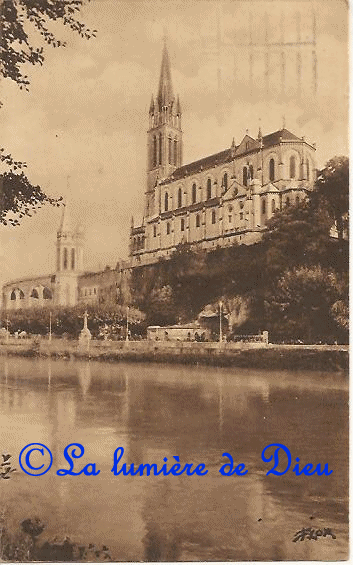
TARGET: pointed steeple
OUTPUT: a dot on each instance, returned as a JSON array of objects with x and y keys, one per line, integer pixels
[
  {"x": 178, "y": 107},
  {"x": 259, "y": 135},
  {"x": 152, "y": 105},
  {"x": 233, "y": 148},
  {"x": 65, "y": 223},
  {"x": 165, "y": 90}
]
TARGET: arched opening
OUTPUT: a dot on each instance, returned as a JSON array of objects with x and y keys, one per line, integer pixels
[
  {"x": 225, "y": 181},
  {"x": 160, "y": 148},
  {"x": 168, "y": 228},
  {"x": 47, "y": 294},
  {"x": 197, "y": 220},
  {"x": 209, "y": 189},
  {"x": 213, "y": 217},
  {"x": 251, "y": 172},
  {"x": 273, "y": 206},
  {"x": 292, "y": 171},
  {"x": 264, "y": 206},
  {"x": 170, "y": 150},
  {"x": 182, "y": 224},
  {"x": 72, "y": 259},
  {"x": 194, "y": 193},
  {"x": 166, "y": 202},
  {"x": 180, "y": 198},
  {"x": 245, "y": 176},
  {"x": 13, "y": 295},
  {"x": 34, "y": 293},
  {"x": 272, "y": 169},
  {"x": 65, "y": 258},
  {"x": 175, "y": 152},
  {"x": 154, "y": 157}
]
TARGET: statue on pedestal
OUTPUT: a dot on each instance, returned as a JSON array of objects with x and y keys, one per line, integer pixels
[{"x": 85, "y": 335}]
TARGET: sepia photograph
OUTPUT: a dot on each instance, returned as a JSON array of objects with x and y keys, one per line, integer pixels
[{"x": 174, "y": 287}]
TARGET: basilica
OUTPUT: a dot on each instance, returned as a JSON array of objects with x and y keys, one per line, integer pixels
[{"x": 220, "y": 200}]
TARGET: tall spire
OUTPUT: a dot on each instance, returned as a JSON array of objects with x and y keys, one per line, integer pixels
[
  {"x": 65, "y": 224},
  {"x": 165, "y": 90}
]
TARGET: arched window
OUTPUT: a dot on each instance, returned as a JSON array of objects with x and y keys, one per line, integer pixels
[
  {"x": 13, "y": 295},
  {"x": 170, "y": 151},
  {"x": 180, "y": 198},
  {"x": 297, "y": 200},
  {"x": 65, "y": 259},
  {"x": 154, "y": 158},
  {"x": 307, "y": 169},
  {"x": 245, "y": 176},
  {"x": 264, "y": 206},
  {"x": 175, "y": 152},
  {"x": 197, "y": 220},
  {"x": 182, "y": 224},
  {"x": 154, "y": 231},
  {"x": 251, "y": 172},
  {"x": 194, "y": 193},
  {"x": 230, "y": 214},
  {"x": 209, "y": 189},
  {"x": 225, "y": 182},
  {"x": 47, "y": 294},
  {"x": 22, "y": 294},
  {"x": 292, "y": 167},
  {"x": 213, "y": 217},
  {"x": 168, "y": 228},
  {"x": 287, "y": 201},
  {"x": 166, "y": 201},
  {"x": 273, "y": 206},
  {"x": 72, "y": 259},
  {"x": 272, "y": 169},
  {"x": 34, "y": 293},
  {"x": 160, "y": 148}
]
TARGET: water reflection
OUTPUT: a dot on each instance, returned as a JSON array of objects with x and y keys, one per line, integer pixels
[{"x": 154, "y": 412}]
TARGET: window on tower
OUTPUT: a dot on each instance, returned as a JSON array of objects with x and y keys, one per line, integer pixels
[
  {"x": 264, "y": 206},
  {"x": 166, "y": 202},
  {"x": 160, "y": 148},
  {"x": 197, "y": 220},
  {"x": 273, "y": 206},
  {"x": 213, "y": 217},
  {"x": 307, "y": 169},
  {"x": 170, "y": 150},
  {"x": 65, "y": 258},
  {"x": 154, "y": 157},
  {"x": 175, "y": 152},
  {"x": 168, "y": 228},
  {"x": 209, "y": 189},
  {"x": 182, "y": 224},
  {"x": 194, "y": 193},
  {"x": 154, "y": 231},
  {"x": 72, "y": 259},
  {"x": 251, "y": 172},
  {"x": 225, "y": 182}
]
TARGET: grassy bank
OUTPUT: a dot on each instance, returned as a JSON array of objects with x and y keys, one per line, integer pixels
[{"x": 273, "y": 357}]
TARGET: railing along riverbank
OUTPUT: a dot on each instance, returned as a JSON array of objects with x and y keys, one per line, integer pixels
[{"x": 239, "y": 354}]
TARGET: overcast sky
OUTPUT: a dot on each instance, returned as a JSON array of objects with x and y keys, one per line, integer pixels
[{"x": 82, "y": 127}]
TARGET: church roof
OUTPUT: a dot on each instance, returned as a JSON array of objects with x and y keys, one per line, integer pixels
[
  {"x": 277, "y": 136},
  {"x": 197, "y": 166},
  {"x": 165, "y": 91}
]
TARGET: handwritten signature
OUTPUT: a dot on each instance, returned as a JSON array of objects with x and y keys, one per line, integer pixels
[
  {"x": 311, "y": 533},
  {"x": 6, "y": 467}
]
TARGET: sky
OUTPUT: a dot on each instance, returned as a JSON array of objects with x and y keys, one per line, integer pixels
[{"x": 82, "y": 127}]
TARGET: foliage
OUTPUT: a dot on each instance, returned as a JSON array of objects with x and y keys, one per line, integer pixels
[
  {"x": 18, "y": 196},
  {"x": 69, "y": 321},
  {"x": 303, "y": 305},
  {"x": 332, "y": 189}
]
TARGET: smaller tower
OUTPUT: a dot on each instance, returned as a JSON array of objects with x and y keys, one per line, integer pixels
[{"x": 69, "y": 260}]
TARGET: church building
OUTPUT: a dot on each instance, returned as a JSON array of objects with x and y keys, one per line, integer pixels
[{"x": 222, "y": 199}]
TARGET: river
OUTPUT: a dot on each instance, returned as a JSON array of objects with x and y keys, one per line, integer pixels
[{"x": 197, "y": 413}]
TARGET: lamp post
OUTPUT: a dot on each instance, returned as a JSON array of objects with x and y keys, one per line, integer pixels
[
  {"x": 127, "y": 324},
  {"x": 49, "y": 326},
  {"x": 220, "y": 322}
]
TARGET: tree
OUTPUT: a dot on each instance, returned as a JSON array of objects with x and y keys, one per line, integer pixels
[
  {"x": 332, "y": 186},
  {"x": 296, "y": 235},
  {"x": 17, "y": 17},
  {"x": 308, "y": 303}
]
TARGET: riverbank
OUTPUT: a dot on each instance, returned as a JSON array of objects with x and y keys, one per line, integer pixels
[{"x": 246, "y": 355}]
